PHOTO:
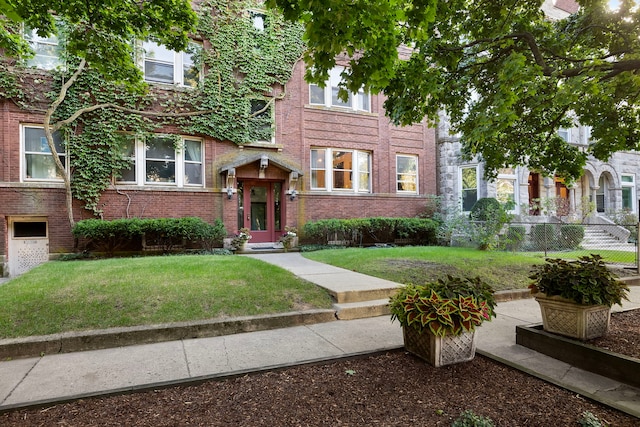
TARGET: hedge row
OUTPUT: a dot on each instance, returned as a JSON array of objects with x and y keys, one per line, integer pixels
[
  {"x": 368, "y": 231},
  {"x": 164, "y": 233}
]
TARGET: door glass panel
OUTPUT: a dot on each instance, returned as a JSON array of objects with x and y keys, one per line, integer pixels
[
  {"x": 277, "y": 191},
  {"x": 258, "y": 208},
  {"x": 240, "y": 197}
]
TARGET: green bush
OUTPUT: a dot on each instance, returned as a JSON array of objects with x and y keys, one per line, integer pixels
[
  {"x": 109, "y": 236},
  {"x": 571, "y": 235},
  {"x": 119, "y": 234},
  {"x": 366, "y": 231},
  {"x": 485, "y": 209},
  {"x": 543, "y": 237},
  {"x": 514, "y": 238}
]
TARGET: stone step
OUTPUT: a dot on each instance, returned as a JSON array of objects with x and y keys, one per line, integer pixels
[
  {"x": 362, "y": 309},
  {"x": 363, "y": 295}
]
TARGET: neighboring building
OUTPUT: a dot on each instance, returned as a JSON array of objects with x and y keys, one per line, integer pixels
[
  {"x": 611, "y": 186},
  {"x": 319, "y": 158}
]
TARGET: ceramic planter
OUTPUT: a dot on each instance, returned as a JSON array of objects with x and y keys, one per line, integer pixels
[
  {"x": 565, "y": 317},
  {"x": 440, "y": 351}
]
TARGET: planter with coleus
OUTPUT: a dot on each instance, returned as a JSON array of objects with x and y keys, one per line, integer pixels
[
  {"x": 575, "y": 297},
  {"x": 439, "y": 318}
]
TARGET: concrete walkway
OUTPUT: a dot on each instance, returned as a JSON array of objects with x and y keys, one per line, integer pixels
[{"x": 61, "y": 377}]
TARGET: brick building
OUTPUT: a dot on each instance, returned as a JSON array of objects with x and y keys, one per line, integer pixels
[{"x": 326, "y": 158}]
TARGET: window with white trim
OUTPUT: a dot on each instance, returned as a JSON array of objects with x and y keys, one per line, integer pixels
[
  {"x": 506, "y": 186},
  {"x": 258, "y": 19},
  {"x": 341, "y": 170},
  {"x": 38, "y": 164},
  {"x": 406, "y": 174},
  {"x": 468, "y": 187},
  {"x": 328, "y": 95},
  {"x": 161, "y": 160},
  {"x": 628, "y": 182},
  {"x": 163, "y": 65},
  {"x": 46, "y": 49},
  {"x": 565, "y": 133}
]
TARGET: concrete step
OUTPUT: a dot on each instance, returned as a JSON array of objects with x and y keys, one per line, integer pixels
[
  {"x": 362, "y": 295},
  {"x": 363, "y": 309}
]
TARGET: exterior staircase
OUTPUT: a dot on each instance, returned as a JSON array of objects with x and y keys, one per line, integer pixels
[{"x": 598, "y": 238}]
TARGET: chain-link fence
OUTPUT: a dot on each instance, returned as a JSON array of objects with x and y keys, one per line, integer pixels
[{"x": 617, "y": 244}]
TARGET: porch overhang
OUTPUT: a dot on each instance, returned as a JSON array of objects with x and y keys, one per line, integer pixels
[{"x": 244, "y": 158}]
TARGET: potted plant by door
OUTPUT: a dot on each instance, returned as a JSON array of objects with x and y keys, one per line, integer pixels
[
  {"x": 239, "y": 242},
  {"x": 575, "y": 297},
  {"x": 439, "y": 318}
]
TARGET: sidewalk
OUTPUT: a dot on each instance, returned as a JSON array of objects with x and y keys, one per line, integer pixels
[{"x": 60, "y": 377}]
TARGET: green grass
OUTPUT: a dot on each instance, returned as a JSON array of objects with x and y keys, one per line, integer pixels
[
  {"x": 420, "y": 264},
  {"x": 78, "y": 295}
]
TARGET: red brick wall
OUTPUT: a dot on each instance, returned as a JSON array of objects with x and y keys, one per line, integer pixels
[{"x": 299, "y": 127}]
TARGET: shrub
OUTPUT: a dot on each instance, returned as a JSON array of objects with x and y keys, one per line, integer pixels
[
  {"x": 119, "y": 234},
  {"x": 571, "y": 235},
  {"x": 514, "y": 238},
  {"x": 109, "y": 236},
  {"x": 485, "y": 209},
  {"x": 543, "y": 237},
  {"x": 370, "y": 230}
]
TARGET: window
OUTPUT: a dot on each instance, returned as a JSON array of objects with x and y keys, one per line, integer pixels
[
  {"x": 349, "y": 170},
  {"x": 161, "y": 160},
  {"x": 262, "y": 116},
  {"x": 328, "y": 95},
  {"x": 469, "y": 187},
  {"x": 628, "y": 192},
  {"x": 565, "y": 134},
  {"x": 407, "y": 174},
  {"x": 162, "y": 65},
  {"x": 47, "y": 50},
  {"x": 258, "y": 19},
  {"x": 506, "y": 186},
  {"x": 38, "y": 160}
]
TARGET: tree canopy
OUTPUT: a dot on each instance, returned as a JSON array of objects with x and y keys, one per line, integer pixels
[
  {"x": 507, "y": 76},
  {"x": 100, "y": 31}
]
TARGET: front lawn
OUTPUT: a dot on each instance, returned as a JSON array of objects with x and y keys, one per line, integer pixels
[
  {"x": 419, "y": 264},
  {"x": 76, "y": 295}
]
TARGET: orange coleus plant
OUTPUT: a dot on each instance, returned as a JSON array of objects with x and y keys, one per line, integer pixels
[{"x": 445, "y": 307}]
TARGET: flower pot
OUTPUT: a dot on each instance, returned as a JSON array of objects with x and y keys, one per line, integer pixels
[
  {"x": 565, "y": 317},
  {"x": 437, "y": 350}
]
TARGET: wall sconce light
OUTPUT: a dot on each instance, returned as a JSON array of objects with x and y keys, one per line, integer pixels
[
  {"x": 293, "y": 183},
  {"x": 264, "y": 162},
  {"x": 231, "y": 177}
]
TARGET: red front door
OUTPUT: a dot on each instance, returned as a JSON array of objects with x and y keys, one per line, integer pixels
[{"x": 263, "y": 210}]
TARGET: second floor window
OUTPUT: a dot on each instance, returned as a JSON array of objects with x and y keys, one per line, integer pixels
[
  {"x": 46, "y": 49},
  {"x": 328, "y": 95},
  {"x": 262, "y": 116},
  {"x": 162, "y": 65}
]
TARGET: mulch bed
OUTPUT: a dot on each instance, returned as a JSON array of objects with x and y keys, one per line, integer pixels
[
  {"x": 623, "y": 336},
  {"x": 391, "y": 389}
]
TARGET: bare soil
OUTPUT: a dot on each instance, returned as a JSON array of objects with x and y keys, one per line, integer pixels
[{"x": 391, "y": 389}]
